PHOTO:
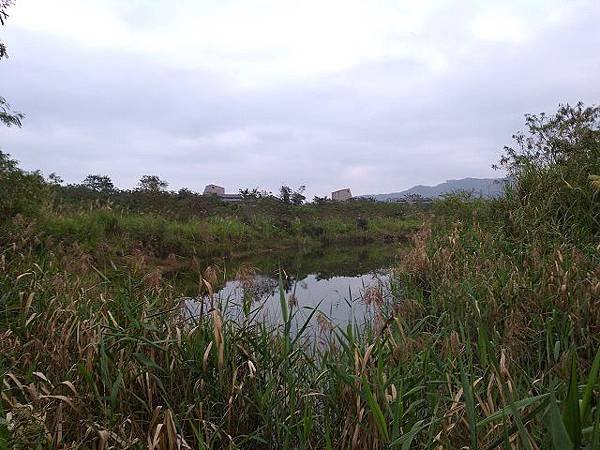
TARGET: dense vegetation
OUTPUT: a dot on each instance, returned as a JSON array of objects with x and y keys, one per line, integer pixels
[{"x": 491, "y": 342}]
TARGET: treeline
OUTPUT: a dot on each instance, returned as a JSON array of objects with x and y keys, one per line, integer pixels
[
  {"x": 103, "y": 184},
  {"x": 31, "y": 193},
  {"x": 108, "y": 222}
]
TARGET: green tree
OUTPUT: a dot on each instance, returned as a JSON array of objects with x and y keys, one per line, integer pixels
[
  {"x": 22, "y": 192},
  {"x": 185, "y": 193},
  {"x": 298, "y": 196},
  {"x": 255, "y": 193},
  {"x": 55, "y": 179},
  {"x": 152, "y": 183},
  {"x": 285, "y": 194},
  {"x": 99, "y": 183},
  {"x": 573, "y": 132},
  {"x": 289, "y": 196},
  {"x": 552, "y": 169}
]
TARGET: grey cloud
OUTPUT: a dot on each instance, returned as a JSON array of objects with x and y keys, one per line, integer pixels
[{"x": 375, "y": 128}]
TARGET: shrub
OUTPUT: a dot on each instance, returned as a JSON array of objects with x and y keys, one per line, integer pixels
[
  {"x": 551, "y": 165},
  {"x": 20, "y": 192}
]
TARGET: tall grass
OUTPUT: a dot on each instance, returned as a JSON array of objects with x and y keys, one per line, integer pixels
[
  {"x": 98, "y": 231},
  {"x": 92, "y": 359}
]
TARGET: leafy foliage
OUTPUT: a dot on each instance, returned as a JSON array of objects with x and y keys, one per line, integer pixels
[
  {"x": 99, "y": 183},
  {"x": 569, "y": 136},
  {"x": 22, "y": 192},
  {"x": 152, "y": 183},
  {"x": 9, "y": 117},
  {"x": 553, "y": 168},
  {"x": 4, "y": 4},
  {"x": 289, "y": 196}
]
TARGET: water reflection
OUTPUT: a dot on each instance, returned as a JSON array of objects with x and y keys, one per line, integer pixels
[{"x": 346, "y": 284}]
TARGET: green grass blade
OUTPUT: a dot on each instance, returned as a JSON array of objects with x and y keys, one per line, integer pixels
[
  {"x": 470, "y": 404},
  {"x": 571, "y": 414},
  {"x": 520, "y": 426},
  {"x": 556, "y": 426},
  {"x": 595, "y": 441},
  {"x": 506, "y": 411},
  {"x": 586, "y": 401},
  {"x": 306, "y": 323},
  {"x": 407, "y": 439},
  {"x": 376, "y": 411}
]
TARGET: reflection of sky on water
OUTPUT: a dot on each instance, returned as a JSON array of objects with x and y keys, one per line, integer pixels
[{"x": 340, "y": 298}]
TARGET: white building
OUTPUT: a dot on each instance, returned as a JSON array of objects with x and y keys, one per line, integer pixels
[
  {"x": 342, "y": 195},
  {"x": 213, "y": 189},
  {"x": 219, "y": 191}
]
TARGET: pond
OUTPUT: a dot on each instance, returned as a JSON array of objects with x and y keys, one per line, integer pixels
[{"x": 346, "y": 284}]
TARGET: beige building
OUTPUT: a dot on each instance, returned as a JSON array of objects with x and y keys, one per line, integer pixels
[
  {"x": 219, "y": 191},
  {"x": 342, "y": 195},
  {"x": 213, "y": 189}
]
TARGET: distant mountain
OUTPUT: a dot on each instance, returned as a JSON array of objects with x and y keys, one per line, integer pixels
[{"x": 482, "y": 187}]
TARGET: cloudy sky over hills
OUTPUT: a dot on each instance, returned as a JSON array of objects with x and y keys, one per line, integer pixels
[{"x": 376, "y": 96}]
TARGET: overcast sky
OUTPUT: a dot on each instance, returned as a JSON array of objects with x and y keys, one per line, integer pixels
[{"x": 372, "y": 95}]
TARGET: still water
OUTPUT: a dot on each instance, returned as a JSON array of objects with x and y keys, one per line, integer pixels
[{"x": 350, "y": 284}]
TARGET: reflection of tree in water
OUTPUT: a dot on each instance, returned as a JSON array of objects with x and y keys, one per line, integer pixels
[
  {"x": 260, "y": 286},
  {"x": 323, "y": 263},
  {"x": 263, "y": 287},
  {"x": 255, "y": 286},
  {"x": 329, "y": 262}
]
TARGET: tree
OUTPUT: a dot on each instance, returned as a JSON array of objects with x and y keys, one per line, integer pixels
[
  {"x": 22, "y": 192},
  {"x": 255, "y": 193},
  {"x": 292, "y": 197},
  {"x": 572, "y": 132},
  {"x": 99, "y": 183},
  {"x": 413, "y": 198},
  {"x": 285, "y": 194},
  {"x": 552, "y": 171},
  {"x": 185, "y": 193},
  {"x": 7, "y": 116},
  {"x": 152, "y": 183},
  {"x": 298, "y": 196},
  {"x": 55, "y": 179}
]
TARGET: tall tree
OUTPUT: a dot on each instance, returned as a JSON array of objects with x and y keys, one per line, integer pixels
[
  {"x": 289, "y": 196},
  {"x": 152, "y": 183},
  {"x": 285, "y": 194},
  {"x": 298, "y": 196},
  {"x": 99, "y": 183}
]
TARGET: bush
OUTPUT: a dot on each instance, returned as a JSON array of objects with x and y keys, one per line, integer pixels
[
  {"x": 20, "y": 192},
  {"x": 553, "y": 165}
]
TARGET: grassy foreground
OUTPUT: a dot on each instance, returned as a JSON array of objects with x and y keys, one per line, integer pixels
[{"x": 492, "y": 341}]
